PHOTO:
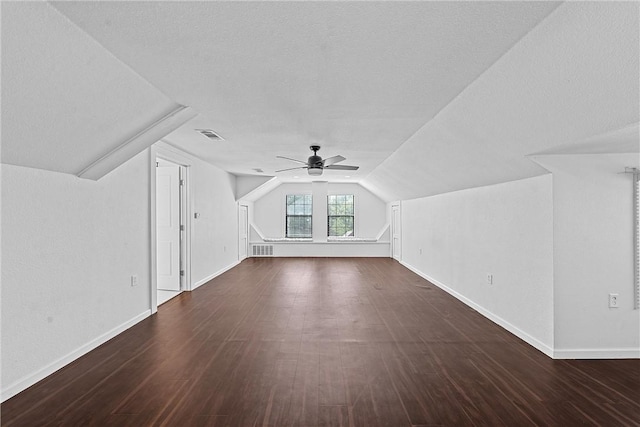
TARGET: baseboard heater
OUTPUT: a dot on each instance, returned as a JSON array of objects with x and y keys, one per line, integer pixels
[{"x": 262, "y": 250}]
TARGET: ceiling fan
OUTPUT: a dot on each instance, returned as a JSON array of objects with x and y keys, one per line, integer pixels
[{"x": 315, "y": 164}]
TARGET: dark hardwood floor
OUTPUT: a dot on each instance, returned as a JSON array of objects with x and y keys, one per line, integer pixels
[{"x": 315, "y": 342}]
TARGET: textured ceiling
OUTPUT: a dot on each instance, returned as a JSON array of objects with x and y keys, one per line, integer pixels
[
  {"x": 357, "y": 78},
  {"x": 66, "y": 101},
  {"x": 427, "y": 97},
  {"x": 574, "y": 76}
]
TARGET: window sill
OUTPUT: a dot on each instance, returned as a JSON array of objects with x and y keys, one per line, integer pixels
[
  {"x": 287, "y": 239},
  {"x": 330, "y": 241}
]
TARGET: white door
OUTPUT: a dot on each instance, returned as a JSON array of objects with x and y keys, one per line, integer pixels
[
  {"x": 168, "y": 225},
  {"x": 243, "y": 230},
  {"x": 395, "y": 232}
]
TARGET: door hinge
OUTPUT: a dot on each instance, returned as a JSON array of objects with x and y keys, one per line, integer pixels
[
  {"x": 157, "y": 164},
  {"x": 182, "y": 182},
  {"x": 181, "y": 272},
  {"x": 182, "y": 228}
]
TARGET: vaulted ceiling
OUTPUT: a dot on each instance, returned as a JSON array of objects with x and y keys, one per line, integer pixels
[{"x": 426, "y": 97}]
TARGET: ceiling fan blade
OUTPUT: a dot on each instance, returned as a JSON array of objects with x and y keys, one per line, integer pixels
[
  {"x": 332, "y": 160},
  {"x": 342, "y": 167},
  {"x": 289, "y": 158},
  {"x": 290, "y": 169}
]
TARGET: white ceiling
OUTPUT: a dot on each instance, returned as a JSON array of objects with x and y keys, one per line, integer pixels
[
  {"x": 426, "y": 97},
  {"x": 356, "y": 78},
  {"x": 66, "y": 101},
  {"x": 574, "y": 76}
]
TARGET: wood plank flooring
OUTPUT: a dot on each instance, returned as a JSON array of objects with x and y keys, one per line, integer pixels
[{"x": 325, "y": 342}]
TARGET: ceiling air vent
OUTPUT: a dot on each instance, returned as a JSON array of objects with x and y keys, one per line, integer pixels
[{"x": 210, "y": 134}]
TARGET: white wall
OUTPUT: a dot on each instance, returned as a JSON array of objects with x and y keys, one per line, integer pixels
[
  {"x": 330, "y": 249},
  {"x": 319, "y": 220},
  {"x": 269, "y": 210},
  {"x": 246, "y": 184},
  {"x": 214, "y": 236},
  {"x": 69, "y": 247},
  {"x": 593, "y": 255},
  {"x": 370, "y": 211},
  {"x": 504, "y": 230}
]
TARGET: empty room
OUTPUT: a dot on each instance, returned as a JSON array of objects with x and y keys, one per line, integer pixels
[{"x": 332, "y": 213}]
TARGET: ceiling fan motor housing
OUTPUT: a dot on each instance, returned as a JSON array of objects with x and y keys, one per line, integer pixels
[
  {"x": 315, "y": 165},
  {"x": 314, "y": 161}
]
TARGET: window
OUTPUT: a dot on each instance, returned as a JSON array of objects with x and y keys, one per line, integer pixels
[
  {"x": 299, "y": 209},
  {"x": 340, "y": 221}
]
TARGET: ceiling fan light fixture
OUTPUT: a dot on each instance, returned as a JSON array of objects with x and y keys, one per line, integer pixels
[{"x": 316, "y": 164}]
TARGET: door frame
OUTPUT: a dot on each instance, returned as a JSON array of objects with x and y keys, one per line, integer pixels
[
  {"x": 186, "y": 209},
  {"x": 240, "y": 207},
  {"x": 396, "y": 206}
]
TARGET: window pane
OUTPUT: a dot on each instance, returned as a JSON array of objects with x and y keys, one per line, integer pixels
[
  {"x": 348, "y": 226},
  {"x": 349, "y": 223},
  {"x": 340, "y": 215},
  {"x": 299, "y": 226},
  {"x": 341, "y": 226},
  {"x": 298, "y": 217}
]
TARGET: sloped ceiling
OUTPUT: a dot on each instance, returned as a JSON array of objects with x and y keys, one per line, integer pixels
[
  {"x": 427, "y": 97},
  {"x": 66, "y": 101},
  {"x": 573, "y": 76},
  {"x": 272, "y": 78}
]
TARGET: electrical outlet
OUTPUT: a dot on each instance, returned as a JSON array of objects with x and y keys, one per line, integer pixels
[
  {"x": 134, "y": 280},
  {"x": 613, "y": 301},
  {"x": 489, "y": 279}
]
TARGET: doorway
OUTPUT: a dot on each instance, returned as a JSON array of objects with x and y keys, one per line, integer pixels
[
  {"x": 396, "y": 233},
  {"x": 170, "y": 229},
  {"x": 243, "y": 232}
]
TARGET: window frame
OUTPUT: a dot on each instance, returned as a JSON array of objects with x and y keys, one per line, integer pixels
[
  {"x": 352, "y": 215},
  {"x": 287, "y": 216}
]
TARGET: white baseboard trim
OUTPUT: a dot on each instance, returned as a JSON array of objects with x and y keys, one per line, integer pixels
[
  {"x": 597, "y": 353},
  {"x": 486, "y": 313},
  {"x": 214, "y": 275},
  {"x": 29, "y": 380}
]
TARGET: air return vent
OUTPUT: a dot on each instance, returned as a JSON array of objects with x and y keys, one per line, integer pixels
[
  {"x": 210, "y": 134},
  {"x": 262, "y": 250}
]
